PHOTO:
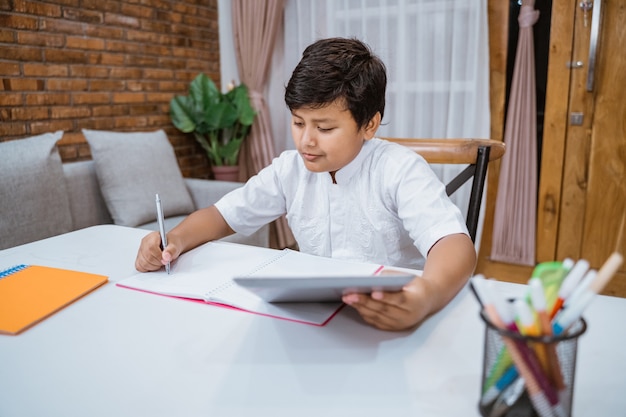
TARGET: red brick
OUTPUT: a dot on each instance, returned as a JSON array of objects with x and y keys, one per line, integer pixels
[
  {"x": 72, "y": 138},
  {"x": 159, "y": 97},
  {"x": 39, "y": 127},
  {"x": 61, "y": 26},
  {"x": 141, "y": 36},
  {"x": 11, "y": 99},
  {"x": 137, "y": 11},
  {"x": 70, "y": 112},
  {"x": 176, "y": 41},
  {"x": 142, "y": 109},
  {"x": 45, "y": 70},
  {"x": 158, "y": 120},
  {"x": 205, "y": 44},
  {"x": 104, "y": 32},
  {"x": 30, "y": 113},
  {"x": 128, "y": 97},
  {"x": 83, "y": 15},
  {"x": 76, "y": 42},
  {"x": 36, "y": 8},
  {"x": 9, "y": 68},
  {"x": 104, "y": 6},
  {"x": 172, "y": 63},
  {"x": 121, "y": 46},
  {"x": 68, "y": 152},
  {"x": 87, "y": 71},
  {"x": 185, "y": 53},
  {"x": 142, "y": 85},
  {"x": 122, "y": 123},
  {"x": 18, "y": 21},
  {"x": 120, "y": 20},
  {"x": 196, "y": 65},
  {"x": 142, "y": 61},
  {"x": 35, "y": 39},
  {"x": 12, "y": 129},
  {"x": 105, "y": 59},
  {"x": 138, "y": 52},
  {"x": 106, "y": 85},
  {"x": 84, "y": 152},
  {"x": 91, "y": 98},
  {"x": 126, "y": 73},
  {"x": 158, "y": 4},
  {"x": 184, "y": 8},
  {"x": 109, "y": 110},
  {"x": 158, "y": 74},
  {"x": 22, "y": 84},
  {"x": 158, "y": 27},
  {"x": 47, "y": 99},
  {"x": 96, "y": 124},
  {"x": 7, "y": 35},
  {"x": 64, "y": 55},
  {"x": 66, "y": 84},
  {"x": 21, "y": 53},
  {"x": 177, "y": 86},
  {"x": 167, "y": 16},
  {"x": 70, "y": 3}
]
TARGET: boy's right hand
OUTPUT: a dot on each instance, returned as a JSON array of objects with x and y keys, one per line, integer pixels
[{"x": 150, "y": 257}]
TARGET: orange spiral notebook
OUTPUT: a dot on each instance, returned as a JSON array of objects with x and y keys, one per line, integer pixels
[{"x": 30, "y": 293}]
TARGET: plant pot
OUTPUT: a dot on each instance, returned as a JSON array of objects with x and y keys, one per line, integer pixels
[{"x": 226, "y": 173}]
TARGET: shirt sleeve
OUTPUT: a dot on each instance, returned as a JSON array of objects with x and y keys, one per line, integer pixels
[
  {"x": 426, "y": 211},
  {"x": 259, "y": 201}
]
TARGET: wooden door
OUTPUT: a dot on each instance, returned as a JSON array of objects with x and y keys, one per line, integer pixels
[{"x": 582, "y": 190}]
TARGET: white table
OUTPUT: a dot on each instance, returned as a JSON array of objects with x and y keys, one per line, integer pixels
[{"x": 118, "y": 352}]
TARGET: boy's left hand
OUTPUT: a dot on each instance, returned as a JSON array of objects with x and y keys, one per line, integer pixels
[{"x": 393, "y": 310}]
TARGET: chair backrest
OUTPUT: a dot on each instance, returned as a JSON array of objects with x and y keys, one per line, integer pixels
[{"x": 477, "y": 153}]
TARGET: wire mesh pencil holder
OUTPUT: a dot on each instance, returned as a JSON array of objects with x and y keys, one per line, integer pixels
[{"x": 528, "y": 376}]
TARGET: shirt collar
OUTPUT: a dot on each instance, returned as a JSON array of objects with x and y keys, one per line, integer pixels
[{"x": 344, "y": 174}]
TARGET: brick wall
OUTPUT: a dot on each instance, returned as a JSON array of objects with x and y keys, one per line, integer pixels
[{"x": 103, "y": 64}]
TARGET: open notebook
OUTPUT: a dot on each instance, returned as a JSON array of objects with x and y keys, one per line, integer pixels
[{"x": 206, "y": 273}]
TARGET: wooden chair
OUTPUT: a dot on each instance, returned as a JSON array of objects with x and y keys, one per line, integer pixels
[{"x": 475, "y": 152}]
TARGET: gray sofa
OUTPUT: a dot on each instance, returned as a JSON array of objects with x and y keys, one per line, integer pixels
[
  {"x": 42, "y": 197},
  {"x": 88, "y": 207}
]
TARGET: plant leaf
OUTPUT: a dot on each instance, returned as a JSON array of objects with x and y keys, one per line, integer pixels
[{"x": 182, "y": 114}]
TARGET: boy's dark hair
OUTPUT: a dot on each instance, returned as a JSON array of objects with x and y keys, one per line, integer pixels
[{"x": 339, "y": 68}]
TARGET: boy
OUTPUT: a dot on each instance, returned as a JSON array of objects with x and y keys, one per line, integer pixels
[{"x": 345, "y": 193}]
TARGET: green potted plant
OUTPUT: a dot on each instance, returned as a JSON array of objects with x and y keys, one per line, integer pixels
[{"x": 219, "y": 121}]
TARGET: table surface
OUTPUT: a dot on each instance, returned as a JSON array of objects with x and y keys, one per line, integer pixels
[{"x": 118, "y": 352}]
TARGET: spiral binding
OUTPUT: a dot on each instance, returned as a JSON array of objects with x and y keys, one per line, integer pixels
[
  {"x": 12, "y": 270},
  {"x": 268, "y": 262}
]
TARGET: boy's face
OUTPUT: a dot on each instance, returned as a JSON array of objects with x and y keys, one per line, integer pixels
[{"x": 327, "y": 138}]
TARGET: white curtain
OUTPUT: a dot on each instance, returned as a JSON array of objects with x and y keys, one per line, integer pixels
[{"x": 437, "y": 58}]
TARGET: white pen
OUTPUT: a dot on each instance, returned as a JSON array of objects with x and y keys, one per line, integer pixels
[{"x": 162, "y": 228}]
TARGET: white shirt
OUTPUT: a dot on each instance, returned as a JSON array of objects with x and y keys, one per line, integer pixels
[{"x": 387, "y": 207}]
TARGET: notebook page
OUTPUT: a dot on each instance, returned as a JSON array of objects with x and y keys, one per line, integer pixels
[
  {"x": 202, "y": 270},
  {"x": 292, "y": 263}
]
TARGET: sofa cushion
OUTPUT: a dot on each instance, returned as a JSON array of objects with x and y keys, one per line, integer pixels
[
  {"x": 86, "y": 201},
  {"x": 131, "y": 169},
  {"x": 34, "y": 203}
]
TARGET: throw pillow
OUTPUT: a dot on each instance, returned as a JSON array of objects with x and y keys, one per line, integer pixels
[
  {"x": 34, "y": 203},
  {"x": 131, "y": 169}
]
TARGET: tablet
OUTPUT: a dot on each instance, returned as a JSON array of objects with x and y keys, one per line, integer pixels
[{"x": 319, "y": 289}]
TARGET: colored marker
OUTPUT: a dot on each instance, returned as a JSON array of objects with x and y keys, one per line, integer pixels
[
  {"x": 539, "y": 305},
  {"x": 568, "y": 285},
  {"x": 538, "y": 397},
  {"x": 575, "y": 308},
  {"x": 582, "y": 286}
]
